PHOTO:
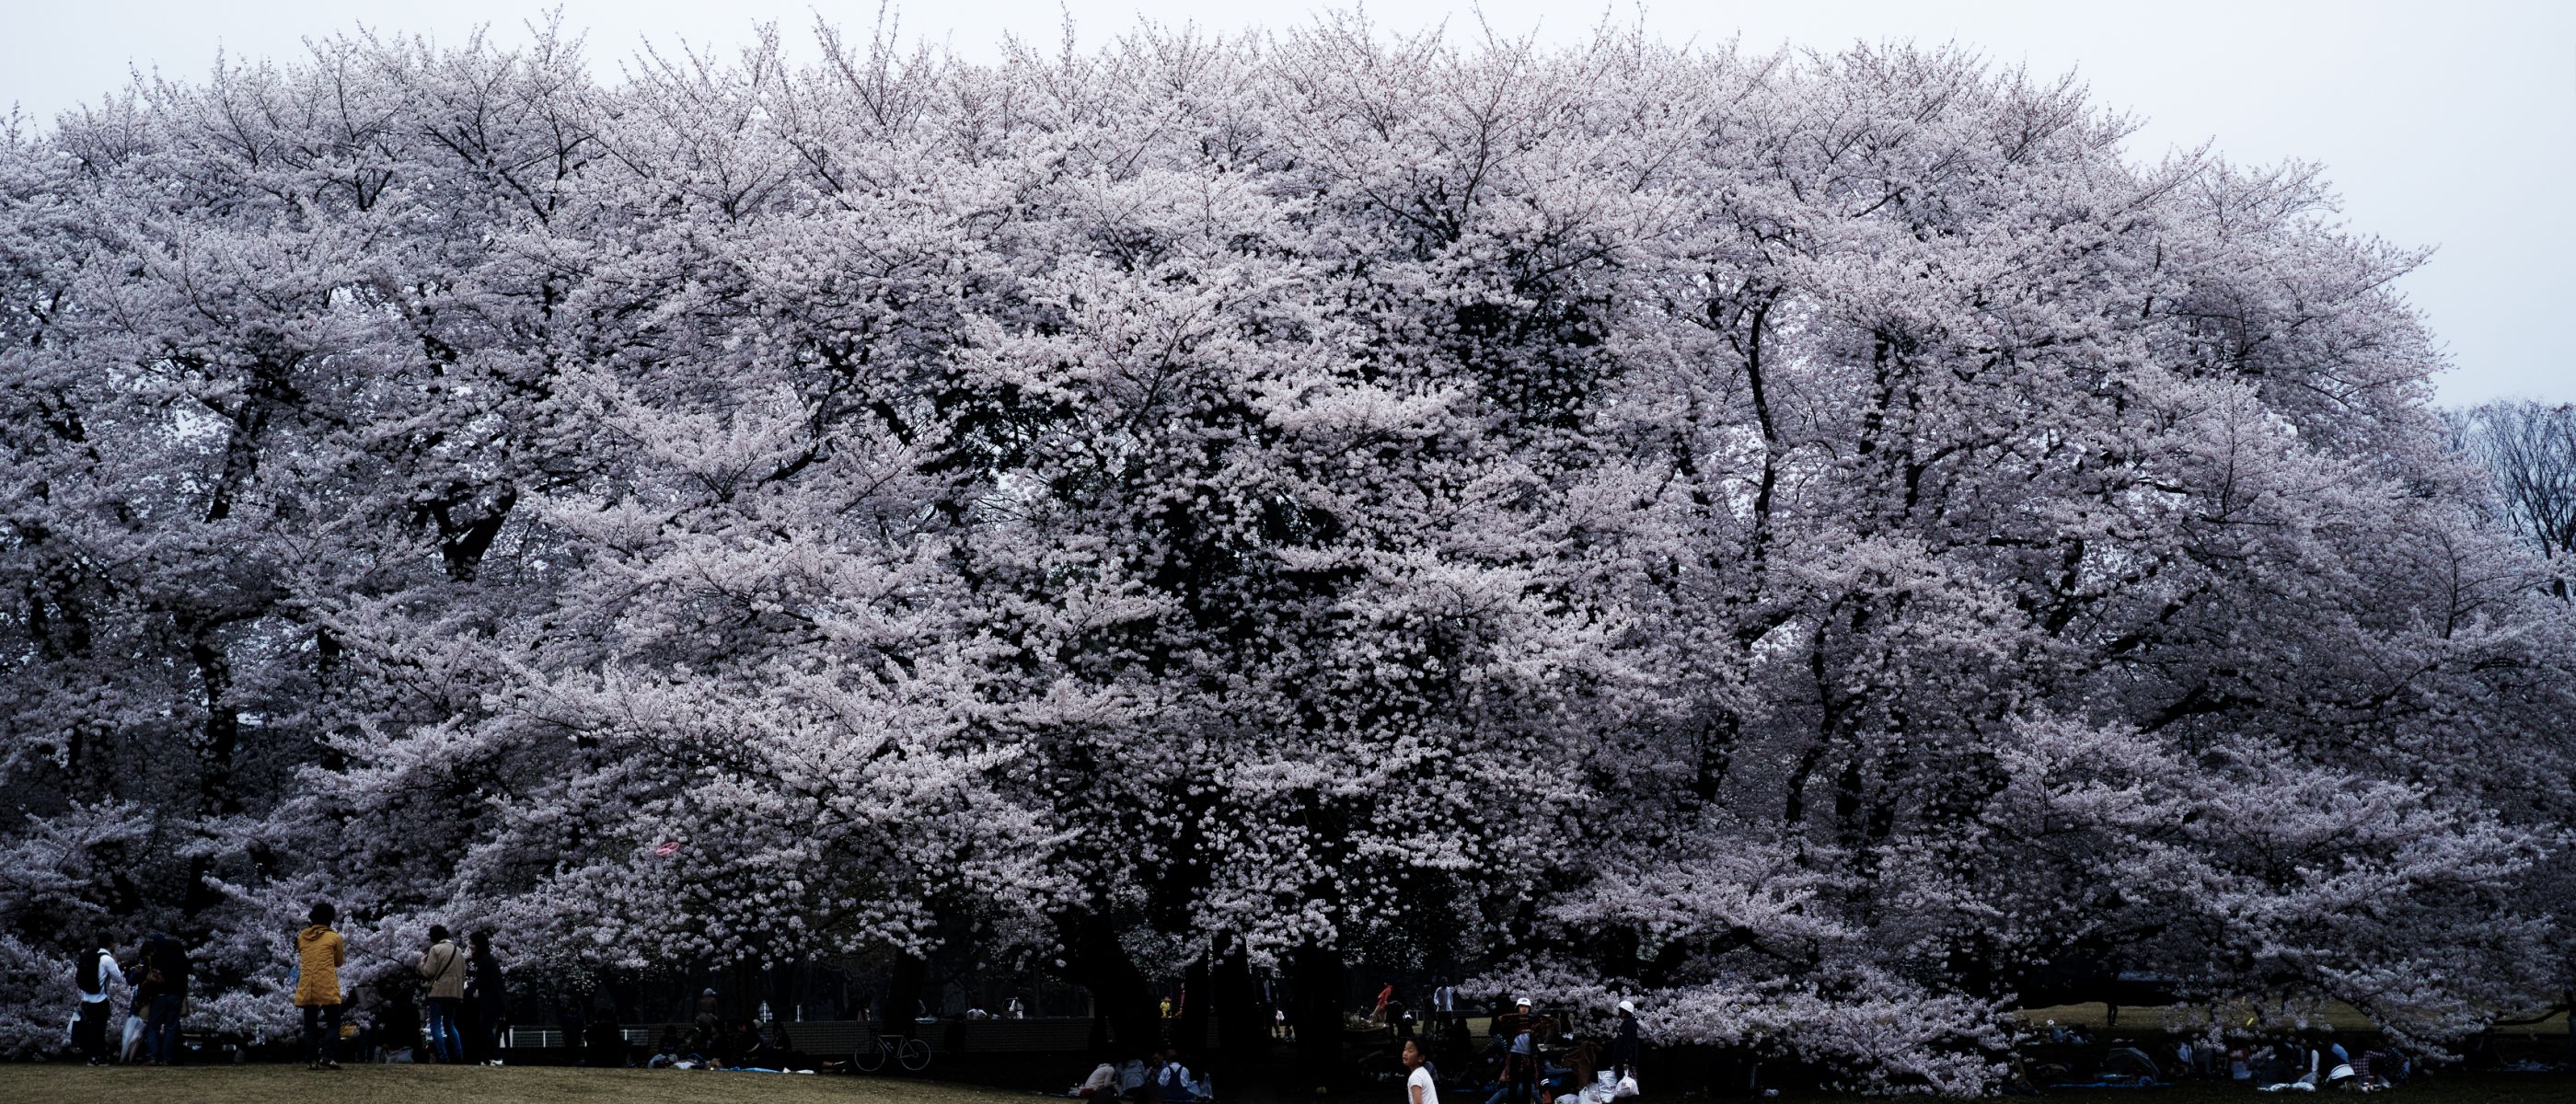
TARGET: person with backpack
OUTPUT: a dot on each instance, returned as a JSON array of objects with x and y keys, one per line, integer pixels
[
  {"x": 319, "y": 952},
  {"x": 444, "y": 966},
  {"x": 163, "y": 996},
  {"x": 93, "y": 970}
]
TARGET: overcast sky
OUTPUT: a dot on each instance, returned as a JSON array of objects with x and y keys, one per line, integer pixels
[{"x": 2446, "y": 124}]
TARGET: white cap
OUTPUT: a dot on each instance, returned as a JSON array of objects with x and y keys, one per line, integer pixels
[
  {"x": 1627, "y": 1006},
  {"x": 1524, "y": 1002}
]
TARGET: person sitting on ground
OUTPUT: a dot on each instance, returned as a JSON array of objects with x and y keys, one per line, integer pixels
[
  {"x": 1172, "y": 1079},
  {"x": 666, "y": 1050},
  {"x": 778, "y": 1049},
  {"x": 742, "y": 1046},
  {"x": 1101, "y": 1085},
  {"x": 397, "y": 1019}
]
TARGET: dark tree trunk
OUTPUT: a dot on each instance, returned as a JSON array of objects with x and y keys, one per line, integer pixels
[
  {"x": 904, "y": 992},
  {"x": 1192, "y": 1030},
  {"x": 1318, "y": 1014},
  {"x": 1242, "y": 1024},
  {"x": 219, "y": 739},
  {"x": 782, "y": 992},
  {"x": 1094, "y": 958}
]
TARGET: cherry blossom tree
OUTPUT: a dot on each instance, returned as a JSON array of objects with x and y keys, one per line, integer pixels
[{"x": 1823, "y": 543}]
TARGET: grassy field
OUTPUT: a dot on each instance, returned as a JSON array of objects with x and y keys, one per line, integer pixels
[
  {"x": 277, "y": 1084},
  {"x": 282, "y": 1084}
]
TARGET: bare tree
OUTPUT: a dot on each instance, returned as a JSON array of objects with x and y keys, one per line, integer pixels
[{"x": 2529, "y": 448}]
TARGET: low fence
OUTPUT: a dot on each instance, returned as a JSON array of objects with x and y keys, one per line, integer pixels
[{"x": 1048, "y": 1035}]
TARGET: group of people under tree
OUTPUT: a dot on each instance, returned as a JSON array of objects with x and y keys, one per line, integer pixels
[
  {"x": 157, "y": 985},
  {"x": 1517, "y": 1050},
  {"x": 448, "y": 1004},
  {"x": 464, "y": 1010},
  {"x": 1159, "y": 1077},
  {"x": 1516, "y": 1053},
  {"x": 714, "y": 1041},
  {"x": 1517, "y": 1066}
]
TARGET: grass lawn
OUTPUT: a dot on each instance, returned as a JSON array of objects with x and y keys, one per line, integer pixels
[{"x": 24, "y": 1083}]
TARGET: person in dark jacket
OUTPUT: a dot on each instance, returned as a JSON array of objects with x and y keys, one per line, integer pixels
[
  {"x": 163, "y": 995},
  {"x": 487, "y": 1001},
  {"x": 569, "y": 1014},
  {"x": 607, "y": 1046},
  {"x": 1623, "y": 1042}
]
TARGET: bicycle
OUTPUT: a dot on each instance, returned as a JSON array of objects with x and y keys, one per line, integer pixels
[{"x": 912, "y": 1054}]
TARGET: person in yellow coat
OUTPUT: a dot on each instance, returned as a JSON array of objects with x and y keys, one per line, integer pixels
[{"x": 319, "y": 951}]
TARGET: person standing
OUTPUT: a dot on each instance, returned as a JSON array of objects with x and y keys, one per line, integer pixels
[
  {"x": 1444, "y": 1003},
  {"x": 165, "y": 980},
  {"x": 319, "y": 952},
  {"x": 487, "y": 1000},
  {"x": 1419, "y": 1086},
  {"x": 444, "y": 966},
  {"x": 1623, "y": 1042},
  {"x": 1521, "y": 1064},
  {"x": 93, "y": 970}
]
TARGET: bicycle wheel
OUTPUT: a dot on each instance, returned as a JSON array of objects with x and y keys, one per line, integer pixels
[
  {"x": 915, "y": 1055},
  {"x": 869, "y": 1059}
]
